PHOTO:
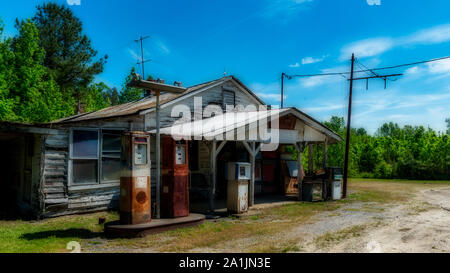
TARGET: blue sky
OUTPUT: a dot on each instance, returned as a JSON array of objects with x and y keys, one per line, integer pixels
[{"x": 257, "y": 40}]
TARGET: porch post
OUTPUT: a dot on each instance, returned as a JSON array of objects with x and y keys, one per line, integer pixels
[
  {"x": 212, "y": 186},
  {"x": 158, "y": 159},
  {"x": 311, "y": 158},
  {"x": 253, "y": 151},
  {"x": 299, "y": 146},
  {"x": 252, "y": 177}
]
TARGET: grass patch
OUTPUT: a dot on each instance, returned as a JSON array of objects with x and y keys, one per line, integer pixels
[
  {"x": 405, "y": 181},
  {"x": 211, "y": 234},
  {"x": 255, "y": 231},
  {"x": 335, "y": 237},
  {"x": 286, "y": 247},
  {"x": 51, "y": 235}
]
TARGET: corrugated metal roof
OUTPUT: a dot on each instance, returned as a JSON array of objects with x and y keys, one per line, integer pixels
[{"x": 133, "y": 107}]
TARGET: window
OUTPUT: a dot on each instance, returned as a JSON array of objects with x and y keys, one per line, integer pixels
[
  {"x": 111, "y": 147},
  {"x": 229, "y": 99},
  {"x": 95, "y": 156},
  {"x": 84, "y": 155}
]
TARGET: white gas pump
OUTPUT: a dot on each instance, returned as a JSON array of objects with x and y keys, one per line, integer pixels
[{"x": 238, "y": 176}]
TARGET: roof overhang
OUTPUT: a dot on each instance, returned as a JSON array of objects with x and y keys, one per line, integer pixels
[{"x": 156, "y": 86}]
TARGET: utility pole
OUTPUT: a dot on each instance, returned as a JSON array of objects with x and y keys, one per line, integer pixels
[
  {"x": 349, "y": 117},
  {"x": 142, "y": 62},
  {"x": 282, "y": 88},
  {"x": 347, "y": 140},
  {"x": 352, "y": 79}
]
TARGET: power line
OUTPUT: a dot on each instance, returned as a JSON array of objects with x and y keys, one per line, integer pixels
[{"x": 365, "y": 70}]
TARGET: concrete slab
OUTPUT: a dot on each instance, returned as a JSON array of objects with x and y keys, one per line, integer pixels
[{"x": 115, "y": 229}]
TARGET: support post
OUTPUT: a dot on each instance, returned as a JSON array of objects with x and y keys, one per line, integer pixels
[
  {"x": 212, "y": 186},
  {"x": 325, "y": 147},
  {"x": 158, "y": 159},
  {"x": 311, "y": 158},
  {"x": 253, "y": 151},
  {"x": 299, "y": 146},
  {"x": 252, "y": 178}
]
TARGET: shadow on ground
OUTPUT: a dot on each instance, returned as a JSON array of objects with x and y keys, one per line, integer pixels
[{"x": 66, "y": 233}]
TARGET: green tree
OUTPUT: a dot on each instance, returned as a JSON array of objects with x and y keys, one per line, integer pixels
[
  {"x": 130, "y": 93},
  {"x": 111, "y": 96},
  {"x": 6, "y": 74},
  {"x": 37, "y": 95},
  {"x": 95, "y": 97},
  {"x": 448, "y": 126},
  {"x": 68, "y": 52}
]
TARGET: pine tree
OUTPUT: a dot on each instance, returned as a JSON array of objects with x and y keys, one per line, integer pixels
[{"x": 68, "y": 52}]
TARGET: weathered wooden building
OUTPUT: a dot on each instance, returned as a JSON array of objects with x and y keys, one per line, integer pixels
[{"x": 72, "y": 165}]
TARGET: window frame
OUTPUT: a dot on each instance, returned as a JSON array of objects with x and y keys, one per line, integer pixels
[
  {"x": 99, "y": 183},
  {"x": 225, "y": 90},
  {"x": 100, "y": 158}
]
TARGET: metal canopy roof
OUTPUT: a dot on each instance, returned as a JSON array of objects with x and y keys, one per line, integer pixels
[
  {"x": 217, "y": 127},
  {"x": 156, "y": 86}
]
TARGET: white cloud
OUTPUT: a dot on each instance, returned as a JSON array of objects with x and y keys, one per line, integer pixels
[
  {"x": 316, "y": 81},
  {"x": 367, "y": 48},
  {"x": 282, "y": 8},
  {"x": 271, "y": 96},
  {"x": 434, "y": 35},
  {"x": 74, "y": 2},
  {"x": 321, "y": 80},
  {"x": 162, "y": 47},
  {"x": 324, "y": 108},
  {"x": 438, "y": 67},
  {"x": 375, "y": 46},
  {"x": 133, "y": 54},
  {"x": 294, "y": 65},
  {"x": 311, "y": 60}
]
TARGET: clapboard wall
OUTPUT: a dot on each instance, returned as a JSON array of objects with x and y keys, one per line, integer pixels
[{"x": 60, "y": 198}]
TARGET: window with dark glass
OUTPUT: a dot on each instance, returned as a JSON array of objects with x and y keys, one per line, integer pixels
[
  {"x": 84, "y": 156},
  {"x": 95, "y": 157},
  {"x": 111, "y": 143}
]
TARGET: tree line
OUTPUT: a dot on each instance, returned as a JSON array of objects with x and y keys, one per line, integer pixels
[
  {"x": 47, "y": 70},
  {"x": 408, "y": 152}
]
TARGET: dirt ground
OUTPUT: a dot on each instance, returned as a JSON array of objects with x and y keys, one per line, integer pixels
[
  {"x": 387, "y": 217},
  {"x": 420, "y": 222}
]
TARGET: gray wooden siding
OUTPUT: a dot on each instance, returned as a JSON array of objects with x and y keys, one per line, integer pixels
[{"x": 214, "y": 95}]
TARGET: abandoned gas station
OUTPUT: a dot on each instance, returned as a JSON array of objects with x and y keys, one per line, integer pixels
[{"x": 219, "y": 146}]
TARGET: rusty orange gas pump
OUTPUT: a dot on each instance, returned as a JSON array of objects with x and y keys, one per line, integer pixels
[
  {"x": 175, "y": 178},
  {"x": 135, "y": 179}
]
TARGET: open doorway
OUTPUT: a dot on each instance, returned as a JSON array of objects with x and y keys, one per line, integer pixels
[{"x": 19, "y": 166}]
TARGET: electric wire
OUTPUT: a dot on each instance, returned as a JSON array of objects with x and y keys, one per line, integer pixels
[{"x": 366, "y": 70}]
